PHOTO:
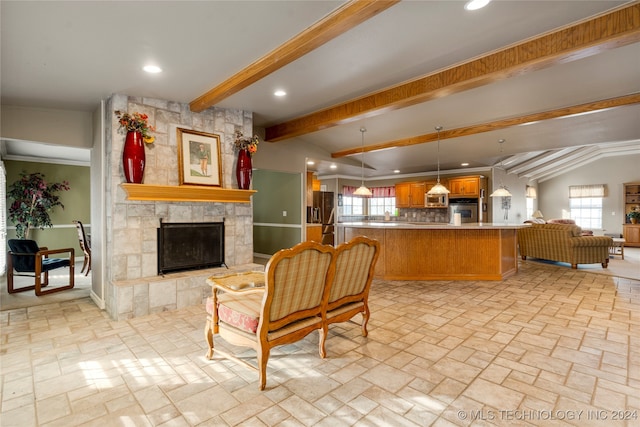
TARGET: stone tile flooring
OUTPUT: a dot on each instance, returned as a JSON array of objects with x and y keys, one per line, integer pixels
[{"x": 549, "y": 346}]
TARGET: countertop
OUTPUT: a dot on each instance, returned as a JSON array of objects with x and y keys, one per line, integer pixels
[{"x": 430, "y": 225}]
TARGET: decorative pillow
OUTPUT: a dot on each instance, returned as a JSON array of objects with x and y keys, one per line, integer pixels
[
  {"x": 561, "y": 221},
  {"x": 535, "y": 221}
]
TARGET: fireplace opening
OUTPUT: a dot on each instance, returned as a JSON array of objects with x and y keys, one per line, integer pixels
[{"x": 190, "y": 246}]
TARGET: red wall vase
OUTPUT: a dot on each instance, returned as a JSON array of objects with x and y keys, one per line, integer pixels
[
  {"x": 133, "y": 157},
  {"x": 243, "y": 170}
]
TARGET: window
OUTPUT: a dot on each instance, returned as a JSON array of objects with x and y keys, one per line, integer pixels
[
  {"x": 587, "y": 211},
  {"x": 380, "y": 205},
  {"x": 529, "y": 207},
  {"x": 585, "y": 204},
  {"x": 383, "y": 200},
  {"x": 352, "y": 205}
]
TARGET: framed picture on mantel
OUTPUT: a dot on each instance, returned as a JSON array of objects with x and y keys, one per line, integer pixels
[{"x": 199, "y": 158}]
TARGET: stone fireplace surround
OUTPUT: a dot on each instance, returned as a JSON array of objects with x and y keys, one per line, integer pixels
[{"x": 133, "y": 287}]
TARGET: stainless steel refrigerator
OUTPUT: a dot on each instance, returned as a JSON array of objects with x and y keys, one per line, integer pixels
[{"x": 324, "y": 213}]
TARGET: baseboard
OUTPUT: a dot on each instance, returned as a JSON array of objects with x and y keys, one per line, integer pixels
[{"x": 97, "y": 300}]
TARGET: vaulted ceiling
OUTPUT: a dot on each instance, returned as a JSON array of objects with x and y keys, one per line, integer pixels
[{"x": 559, "y": 81}]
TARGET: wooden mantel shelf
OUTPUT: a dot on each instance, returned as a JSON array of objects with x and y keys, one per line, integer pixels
[{"x": 186, "y": 193}]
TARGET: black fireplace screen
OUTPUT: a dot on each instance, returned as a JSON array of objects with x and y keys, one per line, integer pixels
[{"x": 190, "y": 246}]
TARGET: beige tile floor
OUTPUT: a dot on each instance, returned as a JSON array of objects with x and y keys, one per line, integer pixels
[{"x": 549, "y": 346}]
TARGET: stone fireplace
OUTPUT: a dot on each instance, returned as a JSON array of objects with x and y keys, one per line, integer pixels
[{"x": 133, "y": 287}]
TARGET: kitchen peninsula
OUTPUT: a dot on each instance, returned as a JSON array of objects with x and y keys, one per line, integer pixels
[{"x": 428, "y": 251}]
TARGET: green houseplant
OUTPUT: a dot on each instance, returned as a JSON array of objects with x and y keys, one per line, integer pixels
[
  {"x": 31, "y": 200},
  {"x": 634, "y": 216}
]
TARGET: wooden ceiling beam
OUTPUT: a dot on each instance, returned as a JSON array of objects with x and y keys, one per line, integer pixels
[
  {"x": 341, "y": 20},
  {"x": 496, "y": 125},
  {"x": 608, "y": 31}
]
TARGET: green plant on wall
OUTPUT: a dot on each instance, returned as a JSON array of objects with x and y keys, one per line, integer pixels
[{"x": 31, "y": 200}]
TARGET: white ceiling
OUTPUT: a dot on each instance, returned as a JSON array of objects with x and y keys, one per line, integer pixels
[{"x": 70, "y": 55}]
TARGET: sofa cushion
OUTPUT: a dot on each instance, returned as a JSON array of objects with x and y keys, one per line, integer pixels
[{"x": 242, "y": 312}]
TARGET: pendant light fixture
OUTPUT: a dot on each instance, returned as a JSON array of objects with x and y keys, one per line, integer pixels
[
  {"x": 502, "y": 190},
  {"x": 438, "y": 188},
  {"x": 362, "y": 191}
]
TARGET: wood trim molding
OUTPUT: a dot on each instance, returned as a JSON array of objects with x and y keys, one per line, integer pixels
[
  {"x": 186, "y": 193},
  {"x": 496, "y": 125},
  {"x": 341, "y": 20},
  {"x": 607, "y": 31}
]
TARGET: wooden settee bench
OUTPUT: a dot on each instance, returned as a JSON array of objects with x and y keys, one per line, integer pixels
[{"x": 303, "y": 289}]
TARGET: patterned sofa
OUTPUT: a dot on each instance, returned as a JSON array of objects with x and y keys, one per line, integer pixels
[{"x": 563, "y": 243}]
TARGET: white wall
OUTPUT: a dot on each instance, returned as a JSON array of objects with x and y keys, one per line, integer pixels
[
  {"x": 64, "y": 127},
  {"x": 517, "y": 187},
  {"x": 553, "y": 194},
  {"x": 98, "y": 216}
]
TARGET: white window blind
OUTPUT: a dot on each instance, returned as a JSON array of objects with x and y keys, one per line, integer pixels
[{"x": 579, "y": 191}]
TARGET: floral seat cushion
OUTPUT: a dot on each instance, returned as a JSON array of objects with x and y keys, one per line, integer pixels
[{"x": 242, "y": 312}]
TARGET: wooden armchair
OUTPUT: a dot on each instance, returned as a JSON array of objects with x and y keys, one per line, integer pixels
[
  {"x": 85, "y": 245},
  {"x": 349, "y": 293},
  {"x": 291, "y": 305},
  {"x": 27, "y": 259}
]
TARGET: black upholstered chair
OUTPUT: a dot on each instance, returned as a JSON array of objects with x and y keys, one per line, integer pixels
[{"x": 27, "y": 259}]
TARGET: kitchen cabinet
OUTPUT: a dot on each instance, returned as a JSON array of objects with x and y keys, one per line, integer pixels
[
  {"x": 464, "y": 187},
  {"x": 313, "y": 184},
  {"x": 402, "y": 195},
  {"x": 410, "y": 194},
  {"x": 314, "y": 233},
  {"x": 430, "y": 184}
]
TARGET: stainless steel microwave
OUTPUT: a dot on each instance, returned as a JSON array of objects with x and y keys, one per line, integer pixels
[{"x": 436, "y": 200}]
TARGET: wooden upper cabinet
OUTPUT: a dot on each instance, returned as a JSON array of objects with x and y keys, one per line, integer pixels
[
  {"x": 310, "y": 190},
  {"x": 410, "y": 194},
  {"x": 464, "y": 187},
  {"x": 431, "y": 183},
  {"x": 403, "y": 190},
  {"x": 417, "y": 194}
]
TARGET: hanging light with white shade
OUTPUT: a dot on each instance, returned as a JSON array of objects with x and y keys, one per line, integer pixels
[
  {"x": 438, "y": 188},
  {"x": 362, "y": 190},
  {"x": 502, "y": 190}
]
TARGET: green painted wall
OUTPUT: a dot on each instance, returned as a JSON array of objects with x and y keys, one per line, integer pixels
[
  {"x": 76, "y": 203},
  {"x": 269, "y": 240},
  {"x": 276, "y": 192}
]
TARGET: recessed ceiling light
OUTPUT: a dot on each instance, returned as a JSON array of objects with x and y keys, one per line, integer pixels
[
  {"x": 333, "y": 166},
  {"x": 153, "y": 69},
  {"x": 476, "y": 4},
  {"x": 464, "y": 164},
  {"x": 279, "y": 92},
  {"x": 311, "y": 162},
  {"x": 396, "y": 171}
]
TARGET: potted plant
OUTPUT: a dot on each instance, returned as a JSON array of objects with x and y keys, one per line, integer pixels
[
  {"x": 31, "y": 200},
  {"x": 633, "y": 216}
]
